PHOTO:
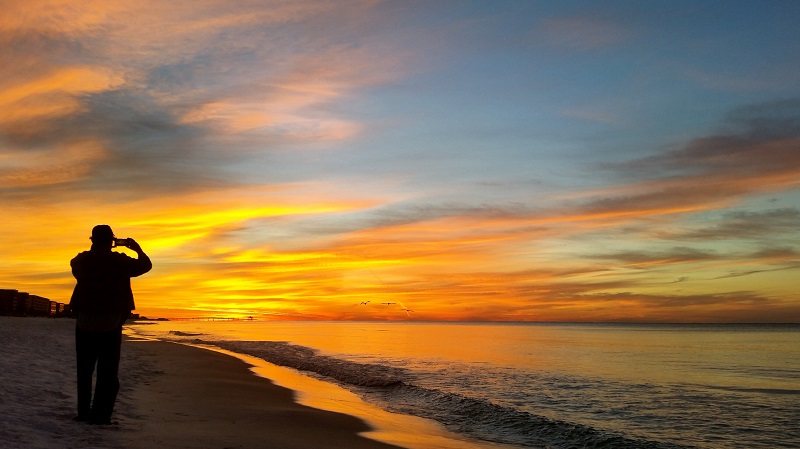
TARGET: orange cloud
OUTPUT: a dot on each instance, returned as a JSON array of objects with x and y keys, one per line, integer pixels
[
  {"x": 52, "y": 166},
  {"x": 27, "y": 107}
]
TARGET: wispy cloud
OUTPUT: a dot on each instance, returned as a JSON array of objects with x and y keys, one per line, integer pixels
[
  {"x": 757, "y": 156},
  {"x": 744, "y": 224},
  {"x": 170, "y": 94},
  {"x": 758, "y": 142},
  {"x": 645, "y": 259}
]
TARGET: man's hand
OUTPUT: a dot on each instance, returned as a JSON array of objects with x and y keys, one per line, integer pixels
[{"x": 134, "y": 246}]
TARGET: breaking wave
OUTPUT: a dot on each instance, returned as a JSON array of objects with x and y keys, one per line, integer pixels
[{"x": 183, "y": 334}]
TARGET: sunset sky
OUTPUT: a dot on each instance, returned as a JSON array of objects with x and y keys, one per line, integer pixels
[{"x": 467, "y": 160}]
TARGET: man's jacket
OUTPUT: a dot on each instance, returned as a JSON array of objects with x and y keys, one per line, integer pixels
[{"x": 104, "y": 281}]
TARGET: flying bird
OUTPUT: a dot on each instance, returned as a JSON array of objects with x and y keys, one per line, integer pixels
[
  {"x": 364, "y": 302},
  {"x": 388, "y": 303}
]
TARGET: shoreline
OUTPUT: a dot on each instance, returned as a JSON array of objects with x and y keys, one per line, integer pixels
[
  {"x": 178, "y": 396},
  {"x": 406, "y": 431}
]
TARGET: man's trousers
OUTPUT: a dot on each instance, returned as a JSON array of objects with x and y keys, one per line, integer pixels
[{"x": 101, "y": 349}]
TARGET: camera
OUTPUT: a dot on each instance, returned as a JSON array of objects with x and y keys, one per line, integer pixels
[{"x": 122, "y": 242}]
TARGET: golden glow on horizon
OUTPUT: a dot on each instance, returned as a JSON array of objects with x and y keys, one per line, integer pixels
[
  {"x": 420, "y": 266},
  {"x": 203, "y": 268}
]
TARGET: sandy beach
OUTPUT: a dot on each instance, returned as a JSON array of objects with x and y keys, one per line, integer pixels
[
  {"x": 191, "y": 397},
  {"x": 172, "y": 396}
]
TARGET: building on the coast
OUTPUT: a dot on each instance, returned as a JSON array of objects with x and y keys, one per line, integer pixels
[
  {"x": 37, "y": 305},
  {"x": 16, "y": 303},
  {"x": 7, "y": 301}
]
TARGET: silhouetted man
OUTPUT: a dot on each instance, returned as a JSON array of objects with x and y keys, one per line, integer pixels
[{"x": 102, "y": 301}]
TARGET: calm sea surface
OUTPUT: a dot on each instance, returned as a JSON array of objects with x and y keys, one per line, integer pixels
[{"x": 549, "y": 385}]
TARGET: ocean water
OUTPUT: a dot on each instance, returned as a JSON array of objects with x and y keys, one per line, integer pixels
[{"x": 548, "y": 385}]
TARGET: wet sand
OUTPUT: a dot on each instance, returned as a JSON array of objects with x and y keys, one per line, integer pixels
[{"x": 186, "y": 397}]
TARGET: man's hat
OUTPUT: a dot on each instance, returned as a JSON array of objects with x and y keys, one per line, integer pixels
[{"x": 102, "y": 233}]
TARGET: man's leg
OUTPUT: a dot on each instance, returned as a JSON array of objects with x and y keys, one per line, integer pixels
[
  {"x": 86, "y": 357},
  {"x": 105, "y": 394}
]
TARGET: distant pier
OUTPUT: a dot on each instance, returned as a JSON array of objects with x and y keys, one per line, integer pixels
[{"x": 212, "y": 318}]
